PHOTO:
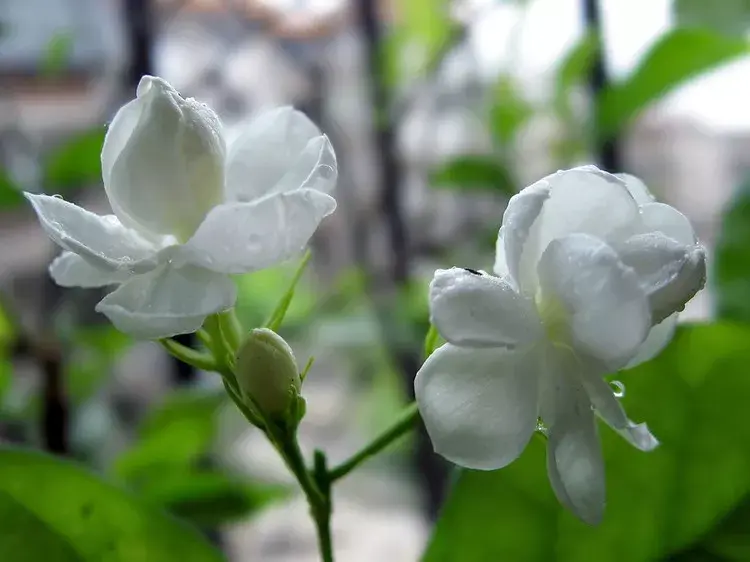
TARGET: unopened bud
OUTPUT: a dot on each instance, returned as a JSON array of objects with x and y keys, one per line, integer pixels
[{"x": 267, "y": 373}]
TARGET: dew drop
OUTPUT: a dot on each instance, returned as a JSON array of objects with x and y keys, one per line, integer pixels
[
  {"x": 541, "y": 428},
  {"x": 618, "y": 388}
]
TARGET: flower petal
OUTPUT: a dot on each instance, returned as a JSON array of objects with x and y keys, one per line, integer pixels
[
  {"x": 657, "y": 339},
  {"x": 637, "y": 189},
  {"x": 163, "y": 161},
  {"x": 167, "y": 301},
  {"x": 574, "y": 458},
  {"x": 243, "y": 237},
  {"x": 102, "y": 240},
  {"x": 608, "y": 311},
  {"x": 479, "y": 405},
  {"x": 481, "y": 310},
  {"x": 501, "y": 263},
  {"x": 520, "y": 215},
  {"x": 669, "y": 272},
  {"x": 670, "y": 221},
  {"x": 275, "y": 151},
  {"x": 582, "y": 200},
  {"x": 71, "y": 270},
  {"x": 610, "y": 410}
]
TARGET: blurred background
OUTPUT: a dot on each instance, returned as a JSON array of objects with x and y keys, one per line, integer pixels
[{"x": 438, "y": 111}]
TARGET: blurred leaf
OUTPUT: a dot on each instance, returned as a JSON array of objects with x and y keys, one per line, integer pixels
[
  {"x": 428, "y": 23},
  {"x": 76, "y": 163},
  {"x": 7, "y": 331},
  {"x": 55, "y": 511},
  {"x": 10, "y": 192},
  {"x": 730, "y": 540},
  {"x": 176, "y": 434},
  {"x": 732, "y": 264},
  {"x": 94, "y": 352},
  {"x": 209, "y": 498},
  {"x": 467, "y": 173},
  {"x": 730, "y": 17},
  {"x": 509, "y": 112},
  {"x": 694, "y": 397},
  {"x": 676, "y": 56},
  {"x": 57, "y": 54}
]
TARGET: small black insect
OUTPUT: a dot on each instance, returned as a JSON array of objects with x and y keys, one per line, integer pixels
[{"x": 474, "y": 271}]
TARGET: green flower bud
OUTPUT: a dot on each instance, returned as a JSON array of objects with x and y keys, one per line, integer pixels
[{"x": 267, "y": 373}]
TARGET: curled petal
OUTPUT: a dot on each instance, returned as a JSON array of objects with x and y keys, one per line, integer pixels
[
  {"x": 481, "y": 310},
  {"x": 669, "y": 221},
  {"x": 582, "y": 200},
  {"x": 167, "y": 301},
  {"x": 244, "y": 237},
  {"x": 670, "y": 272},
  {"x": 574, "y": 458},
  {"x": 607, "y": 311},
  {"x": 501, "y": 262},
  {"x": 277, "y": 151},
  {"x": 609, "y": 409},
  {"x": 479, "y": 405},
  {"x": 101, "y": 240},
  {"x": 163, "y": 161},
  {"x": 71, "y": 270},
  {"x": 657, "y": 339}
]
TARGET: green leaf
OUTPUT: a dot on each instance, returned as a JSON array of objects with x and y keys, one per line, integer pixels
[
  {"x": 730, "y": 17},
  {"x": 76, "y": 163},
  {"x": 732, "y": 264},
  {"x": 94, "y": 352},
  {"x": 509, "y": 112},
  {"x": 209, "y": 498},
  {"x": 176, "y": 434},
  {"x": 474, "y": 173},
  {"x": 677, "y": 56},
  {"x": 694, "y": 397},
  {"x": 574, "y": 69},
  {"x": 10, "y": 192},
  {"x": 57, "y": 54},
  {"x": 55, "y": 511}
]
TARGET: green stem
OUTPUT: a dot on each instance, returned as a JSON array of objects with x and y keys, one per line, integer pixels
[
  {"x": 190, "y": 356},
  {"x": 404, "y": 423}
]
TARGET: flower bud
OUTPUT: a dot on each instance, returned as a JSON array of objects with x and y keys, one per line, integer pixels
[
  {"x": 163, "y": 161},
  {"x": 267, "y": 373}
]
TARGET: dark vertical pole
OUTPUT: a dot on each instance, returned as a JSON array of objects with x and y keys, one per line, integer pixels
[
  {"x": 607, "y": 146},
  {"x": 431, "y": 468}
]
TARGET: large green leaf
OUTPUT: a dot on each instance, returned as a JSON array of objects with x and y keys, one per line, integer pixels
[
  {"x": 469, "y": 173},
  {"x": 76, "y": 163},
  {"x": 55, "y": 511},
  {"x": 732, "y": 264},
  {"x": 694, "y": 397},
  {"x": 677, "y": 56},
  {"x": 731, "y": 17}
]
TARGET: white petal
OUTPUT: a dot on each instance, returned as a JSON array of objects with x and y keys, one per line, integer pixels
[
  {"x": 71, "y": 270},
  {"x": 582, "y": 200},
  {"x": 637, "y": 189},
  {"x": 520, "y": 215},
  {"x": 276, "y": 152},
  {"x": 608, "y": 311},
  {"x": 610, "y": 410},
  {"x": 167, "y": 301},
  {"x": 501, "y": 263},
  {"x": 663, "y": 218},
  {"x": 243, "y": 237},
  {"x": 163, "y": 161},
  {"x": 669, "y": 272},
  {"x": 574, "y": 457},
  {"x": 657, "y": 339},
  {"x": 479, "y": 405},
  {"x": 102, "y": 240},
  {"x": 481, "y": 310}
]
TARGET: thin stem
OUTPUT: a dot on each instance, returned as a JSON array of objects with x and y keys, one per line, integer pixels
[
  {"x": 404, "y": 423},
  {"x": 188, "y": 355}
]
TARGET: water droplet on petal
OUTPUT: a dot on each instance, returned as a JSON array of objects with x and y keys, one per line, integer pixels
[
  {"x": 541, "y": 428},
  {"x": 618, "y": 388}
]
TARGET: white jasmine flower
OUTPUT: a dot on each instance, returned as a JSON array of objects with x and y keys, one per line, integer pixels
[
  {"x": 188, "y": 211},
  {"x": 591, "y": 272}
]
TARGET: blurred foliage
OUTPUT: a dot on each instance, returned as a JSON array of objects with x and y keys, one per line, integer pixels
[
  {"x": 75, "y": 164},
  {"x": 10, "y": 191},
  {"x": 509, "y": 111},
  {"x": 731, "y": 17},
  {"x": 732, "y": 269},
  {"x": 57, "y": 54},
  {"x": 93, "y": 351},
  {"x": 693, "y": 396},
  {"x": 676, "y": 56},
  {"x": 52, "y": 510},
  {"x": 474, "y": 173}
]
